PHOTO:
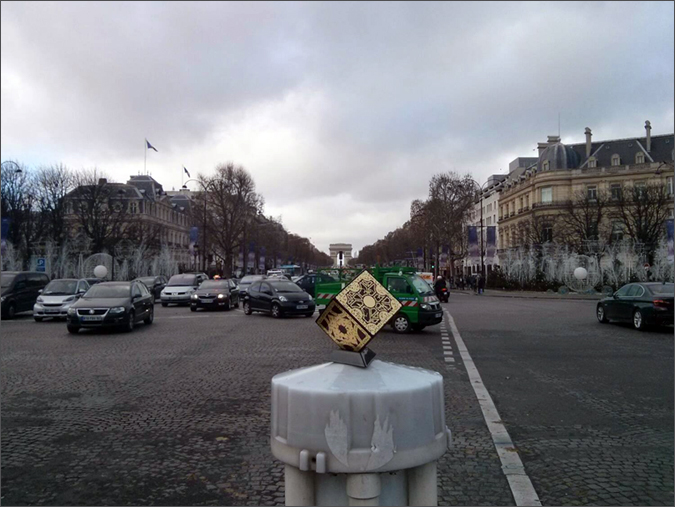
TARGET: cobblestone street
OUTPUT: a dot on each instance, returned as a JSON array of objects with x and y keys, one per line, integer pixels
[{"x": 177, "y": 413}]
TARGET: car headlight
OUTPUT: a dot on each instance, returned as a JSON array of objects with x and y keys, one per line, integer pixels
[
  {"x": 67, "y": 300},
  {"x": 195, "y": 296},
  {"x": 282, "y": 299},
  {"x": 310, "y": 297},
  {"x": 425, "y": 306},
  {"x": 72, "y": 311},
  {"x": 221, "y": 296},
  {"x": 117, "y": 310},
  {"x": 38, "y": 300}
]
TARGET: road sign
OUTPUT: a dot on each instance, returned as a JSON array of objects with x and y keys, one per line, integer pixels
[{"x": 41, "y": 264}]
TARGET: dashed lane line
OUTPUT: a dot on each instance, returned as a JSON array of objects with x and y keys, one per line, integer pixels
[{"x": 512, "y": 466}]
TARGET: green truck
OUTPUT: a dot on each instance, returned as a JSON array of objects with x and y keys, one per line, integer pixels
[{"x": 420, "y": 309}]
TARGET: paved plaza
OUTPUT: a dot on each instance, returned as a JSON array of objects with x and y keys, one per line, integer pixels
[{"x": 178, "y": 413}]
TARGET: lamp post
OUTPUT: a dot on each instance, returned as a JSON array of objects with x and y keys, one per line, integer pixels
[
  {"x": 482, "y": 259},
  {"x": 204, "y": 261}
]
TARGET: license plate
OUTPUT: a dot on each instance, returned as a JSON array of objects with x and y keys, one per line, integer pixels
[
  {"x": 439, "y": 314},
  {"x": 302, "y": 307},
  {"x": 93, "y": 318},
  {"x": 51, "y": 311}
]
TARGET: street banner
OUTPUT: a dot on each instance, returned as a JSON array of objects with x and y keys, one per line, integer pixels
[
  {"x": 194, "y": 235},
  {"x": 251, "y": 255},
  {"x": 240, "y": 260},
  {"x": 262, "y": 259},
  {"x": 5, "y": 228},
  {"x": 420, "y": 259},
  {"x": 491, "y": 243},
  {"x": 474, "y": 249},
  {"x": 444, "y": 255},
  {"x": 669, "y": 236}
]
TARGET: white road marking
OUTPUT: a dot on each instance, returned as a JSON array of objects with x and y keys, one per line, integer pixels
[{"x": 519, "y": 482}]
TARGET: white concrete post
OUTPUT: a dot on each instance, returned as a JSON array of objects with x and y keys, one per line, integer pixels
[
  {"x": 299, "y": 486},
  {"x": 364, "y": 489},
  {"x": 422, "y": 486}
]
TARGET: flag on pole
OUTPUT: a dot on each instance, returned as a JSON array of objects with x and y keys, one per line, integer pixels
[
  {"x": 150, "y": 146},
  {"x": 186, "y": 171}
]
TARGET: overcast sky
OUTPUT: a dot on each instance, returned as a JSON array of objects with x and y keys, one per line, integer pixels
[{"x": 342, "y": 112}]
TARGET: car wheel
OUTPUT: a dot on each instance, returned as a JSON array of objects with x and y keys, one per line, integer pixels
[
  {"x": 38, "y": 319},
  {"x": 276, "y": 311},
  {"x": 227, "y": 306},
  {"x": 247, "y": 308},
  {"x": 417, "y": 327},
  {"x": 193, "y": 308},
  {"x": 165, "y": 305},
  {"x": 11, "y": 311},
  {"x": 600, "y": 313},
  {"x": 73, "y": 329},
  {"x": 639, "y": 320},
  {"x": 131, "y": 322},
  {"x": 309, "y": 315},
  {"x": 236, "y": 305},
  {"x": 401, "y": 324},
  {"x": 148, "y": 320}
]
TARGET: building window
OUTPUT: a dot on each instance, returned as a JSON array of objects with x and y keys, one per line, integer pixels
[
  {"x": 639, "y": 158},
  {"x": 615, "y": 189},
  {"x": 617, "y": 231},
  {"x": 592, "y": 162},
  {"x": 592, "y": 193},
  {"x": 521, "y": 205},
  {"x": 545, "y": 165},
  {"x": 616, "y": 159},
  {"x": 547, "y": 233},
  {"x": 133, "y": 207},
  {"x": 547, "y": 195},
  {"x": 669, "y": 186},
  {"x": 640, "y": 188},
  {"x": 527, "y": 201}
]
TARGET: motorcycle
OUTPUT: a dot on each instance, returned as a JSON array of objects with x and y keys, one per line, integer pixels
[{"x": 443, "y": 295}]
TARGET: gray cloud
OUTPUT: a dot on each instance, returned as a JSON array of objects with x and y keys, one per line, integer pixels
[{"x": 367, "y": 100}]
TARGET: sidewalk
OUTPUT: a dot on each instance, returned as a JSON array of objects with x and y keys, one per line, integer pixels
[{"x": 530, "y": 294}]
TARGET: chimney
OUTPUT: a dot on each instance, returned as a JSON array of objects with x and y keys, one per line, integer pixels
[
  {"x": 588, "y": 141},
  {"x": 102, "y": 181},
  {"x": 648, "y": 128},
  {"x": 553, "y": 139},
  {"x": 541, "y": 147}
]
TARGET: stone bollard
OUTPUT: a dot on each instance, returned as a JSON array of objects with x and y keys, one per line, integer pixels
[{"x": 359, "y": 436}]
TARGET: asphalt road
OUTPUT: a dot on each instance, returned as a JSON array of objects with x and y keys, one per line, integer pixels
[{"x": 177, "y": 413}]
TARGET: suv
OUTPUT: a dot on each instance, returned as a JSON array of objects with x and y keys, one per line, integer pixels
[{"x": 20, "y": 290}]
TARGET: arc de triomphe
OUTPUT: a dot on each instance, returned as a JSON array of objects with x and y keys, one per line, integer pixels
[{"x": 336, "y": 248}]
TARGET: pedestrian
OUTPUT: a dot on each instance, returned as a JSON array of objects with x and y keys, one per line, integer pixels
[{"x": 481, "y": 284}]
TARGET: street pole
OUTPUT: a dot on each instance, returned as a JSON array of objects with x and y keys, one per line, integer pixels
[{"x": 482, "y": 262}]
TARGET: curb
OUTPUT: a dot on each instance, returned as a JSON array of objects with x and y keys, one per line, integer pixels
[{"x": 543, "y": 296}]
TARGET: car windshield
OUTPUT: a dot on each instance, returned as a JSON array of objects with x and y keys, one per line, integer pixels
[
  {"x": 148, "y": 280},
  {"x": 421, "y": 286},
  {"x": 286, "y": 287},
  {"x": 181, "y": 280},
  {"x": 60, "y": 287},
  {"x": 7, "y": 280},
  {"x": 214, "y": 284},
  {"x": 666, "y": 289},
  {"x": 108, "y": 291},
  {"x": 248, "y": 280}
]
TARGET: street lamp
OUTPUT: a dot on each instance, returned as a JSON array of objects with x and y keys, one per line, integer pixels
[
  {"x": 204, "y": 222},
  {"x": 481, "y": 190}
]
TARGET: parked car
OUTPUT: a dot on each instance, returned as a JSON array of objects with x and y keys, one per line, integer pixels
[
  {"x": 20, "y": 290},
  {"x": 94, "y": 281},
  {"x": 278, "y": 297},
  {"x": 246, "y": 282},
  {"x": 216, "y": 294},
  {"x": 642, "y": 304},
  {"x": 112, "y": 304},
  {"x": 55, "y": 299},
  {"x": 155, "y": 285},
  {"x": 308, "y": 282},
  {"x": 180, "y": 288}
]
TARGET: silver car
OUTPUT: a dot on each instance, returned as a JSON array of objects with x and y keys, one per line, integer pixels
[
  {"x": 180, "y": 288},
  {"x": 55, "y": 299}
]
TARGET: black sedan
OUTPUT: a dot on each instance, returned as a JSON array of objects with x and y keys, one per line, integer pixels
[
  {"x": 246, "y": 282},
  {"x": 112, "y": 304},
  {"x": 155, "y": 284},
  {"x": 642, "y": 304},
  {"x": 215, "y": 294},
  {"x": 278, "y": 297}
]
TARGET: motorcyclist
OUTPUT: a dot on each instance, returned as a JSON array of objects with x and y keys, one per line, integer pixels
[{"x": 439, "y": 285}]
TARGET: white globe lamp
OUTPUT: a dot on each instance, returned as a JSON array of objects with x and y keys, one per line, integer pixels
[
  {"x": 102, "y": 271},
  {"x": 580, "y": 273}
]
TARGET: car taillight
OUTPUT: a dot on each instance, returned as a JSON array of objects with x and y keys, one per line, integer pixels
[{"x": 661, "y": 303}]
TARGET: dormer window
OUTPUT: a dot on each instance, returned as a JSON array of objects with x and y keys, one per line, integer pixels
[
  {"x": 545, "y": 165},
  {"x": 616, "y": 159},
  {"x": 592, "y": 162},
  {"x": 639, "y": 158}
]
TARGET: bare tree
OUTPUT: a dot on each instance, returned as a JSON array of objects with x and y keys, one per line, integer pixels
[
  {"x": 52, "y": 184},
  {"x": 232, "y": 202},
  {"x": 643, "y": 211},
  {"x": 583, "y": 219}
]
